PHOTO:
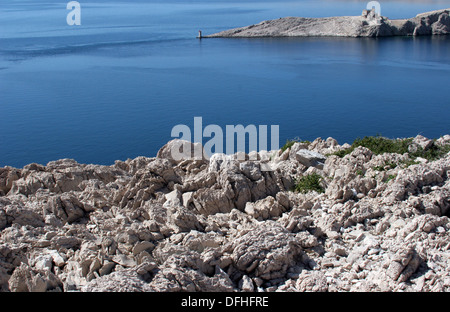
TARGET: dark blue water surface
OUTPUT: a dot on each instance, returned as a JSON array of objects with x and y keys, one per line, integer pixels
[{"x": 114, "y": 87}]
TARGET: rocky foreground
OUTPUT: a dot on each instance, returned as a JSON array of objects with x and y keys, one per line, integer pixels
[
  {"x": 366, "y": 25},
  {"x": 157, "y": 224}
]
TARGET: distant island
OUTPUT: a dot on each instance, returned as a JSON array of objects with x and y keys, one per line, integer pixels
[{"x": 369, "y": 24}]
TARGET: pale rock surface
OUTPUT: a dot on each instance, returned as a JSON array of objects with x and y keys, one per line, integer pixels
[
  {"x": 366, "y": 25},
  {"x": 225, "y": 224}
]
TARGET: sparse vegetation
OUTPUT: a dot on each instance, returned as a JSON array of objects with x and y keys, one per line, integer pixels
[
  {"x": 385, "y": 167},
  {"x": 380, "y": 145},
  {"x": 288, "y": 144},
  {"x": 433, "y": 153},
  {"x": 409, "y": 162},
  {"x": 378, "y": 168},
  {"x": 391, "y": 177},
  {"x": 309, "y": 183}
]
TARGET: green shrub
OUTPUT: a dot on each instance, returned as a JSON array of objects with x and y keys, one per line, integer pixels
[
  {"x": 341, "y": 153},
  {"x": 433, "y": 153},
  {"x": 309, "y": 183},
  {"x": 380, "y": 145},
  {"x": 391, "y": 177},
  {"x": 387, "y": 166},
  {"x": 409, "y": 162},
  {"x": 378, "y": 168},
  {"x": 288, "y": 144}
]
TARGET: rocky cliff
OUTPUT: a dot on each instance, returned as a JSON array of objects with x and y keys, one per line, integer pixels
[
  {"x": 366, "y": 25},
  {"x": 159, "y": 224}
]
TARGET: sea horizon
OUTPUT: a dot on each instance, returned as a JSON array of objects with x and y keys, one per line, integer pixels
[{"x": 114, "y": 87}]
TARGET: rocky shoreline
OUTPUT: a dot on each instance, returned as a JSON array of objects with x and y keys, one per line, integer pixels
[
  {"x": 381, "y": 222},
  {"x": 368, "y": 24}
]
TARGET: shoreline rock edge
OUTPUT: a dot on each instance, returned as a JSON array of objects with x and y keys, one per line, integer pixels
[
  {"x": 367, "y": 25},
  {"x": 155, "y": 224}
]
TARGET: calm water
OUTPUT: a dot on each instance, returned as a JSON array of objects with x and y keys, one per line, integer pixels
[{"x": 114, "y": 87}]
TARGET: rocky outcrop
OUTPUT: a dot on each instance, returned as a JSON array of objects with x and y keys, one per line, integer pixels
[
  {"x": 367, "y": 25},
  {"x": 225, "y": 224}
]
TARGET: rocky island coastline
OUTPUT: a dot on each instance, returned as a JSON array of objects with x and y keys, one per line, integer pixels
[
  {"x": 369, "y": 24},
  {"x": 328, "y": 217}
]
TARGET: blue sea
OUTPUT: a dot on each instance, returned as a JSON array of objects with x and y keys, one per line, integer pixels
[{"x": 115, "y": 86}]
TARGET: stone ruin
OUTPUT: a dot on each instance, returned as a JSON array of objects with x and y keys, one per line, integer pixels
[{"x": 369, "y": 14}]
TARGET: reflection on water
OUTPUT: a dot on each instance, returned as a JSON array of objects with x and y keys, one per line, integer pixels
[{"x": 114, "y": 88}]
